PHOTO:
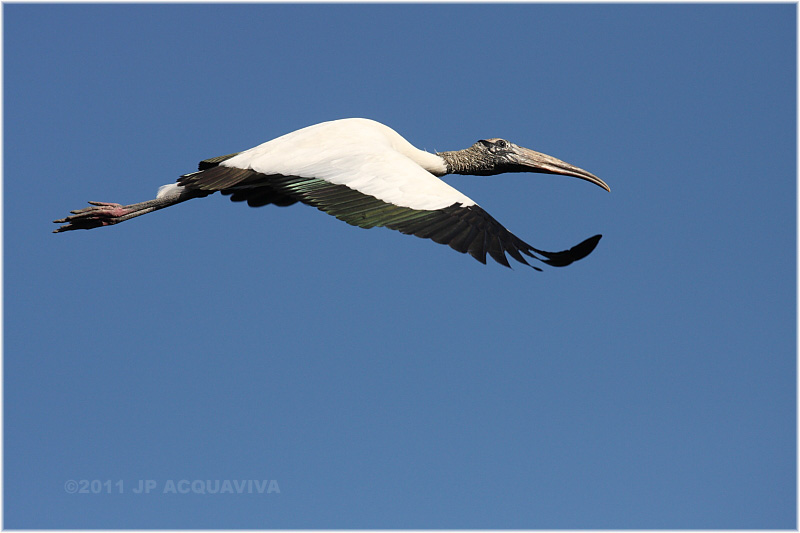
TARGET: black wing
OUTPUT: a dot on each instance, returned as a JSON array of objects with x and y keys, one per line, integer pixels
[{"x": 466, "y": 229}]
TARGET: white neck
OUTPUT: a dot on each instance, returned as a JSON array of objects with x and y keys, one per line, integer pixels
[{"x": 433, "y": 163}]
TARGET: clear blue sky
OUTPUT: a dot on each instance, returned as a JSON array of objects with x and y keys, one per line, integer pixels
[{"x": 383, "y": 380}]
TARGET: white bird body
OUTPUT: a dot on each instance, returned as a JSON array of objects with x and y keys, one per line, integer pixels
[
  {"x": 361, "y": 154},
  {"x": 366, "y": 174}
]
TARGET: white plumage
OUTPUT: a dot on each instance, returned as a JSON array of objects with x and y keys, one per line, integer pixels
[
  {"x": 366, "y": 156},
  {"x": 170, "y": 189}
]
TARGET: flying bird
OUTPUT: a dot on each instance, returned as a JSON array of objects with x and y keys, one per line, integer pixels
[{"x": 366, "y": 174}]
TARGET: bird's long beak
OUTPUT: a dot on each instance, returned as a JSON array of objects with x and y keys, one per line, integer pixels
[{"x": 531, "y": 161}]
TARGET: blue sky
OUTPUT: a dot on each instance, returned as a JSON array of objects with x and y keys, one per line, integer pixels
[{"x": 383, "y": 380}]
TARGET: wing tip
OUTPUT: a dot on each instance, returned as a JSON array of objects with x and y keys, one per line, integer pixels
[{"x": 567, "y": 257}]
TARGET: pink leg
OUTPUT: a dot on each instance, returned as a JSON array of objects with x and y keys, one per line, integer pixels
[
  {"x": 99, "y": 214},
  {"x": 106, "y": 213}
]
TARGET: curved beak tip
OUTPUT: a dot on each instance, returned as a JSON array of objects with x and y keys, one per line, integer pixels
[{"x": 539, "y": 162}]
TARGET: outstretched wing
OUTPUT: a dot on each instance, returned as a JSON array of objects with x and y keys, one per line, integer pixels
[
  {"x": 367, "y": 175},
  {"x": 466, "y": 229}
]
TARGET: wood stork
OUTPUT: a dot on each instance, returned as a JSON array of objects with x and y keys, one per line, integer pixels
[{"x": 366, "y": 174}]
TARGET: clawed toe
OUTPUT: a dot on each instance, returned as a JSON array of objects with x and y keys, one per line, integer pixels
[
  {"x": 96, "y": 207},
  {"x": 97, "y": 215}
]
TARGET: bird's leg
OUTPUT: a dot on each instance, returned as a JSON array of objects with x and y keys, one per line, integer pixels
[{"x": 105, "y": 213}]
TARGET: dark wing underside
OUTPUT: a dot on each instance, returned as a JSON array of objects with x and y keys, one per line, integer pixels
[{"x": 467, "y": 229}]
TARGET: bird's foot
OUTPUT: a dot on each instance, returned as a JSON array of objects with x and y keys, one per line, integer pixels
[{"x": 99, "y": 214}]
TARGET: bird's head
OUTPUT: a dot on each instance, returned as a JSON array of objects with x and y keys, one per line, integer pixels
[{"x": 496, "y": 156}]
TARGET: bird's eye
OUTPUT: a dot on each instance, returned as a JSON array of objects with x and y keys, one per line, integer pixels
[
  {"x": 496, "y": 145},
  {"x": 500, "y": 146}
]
